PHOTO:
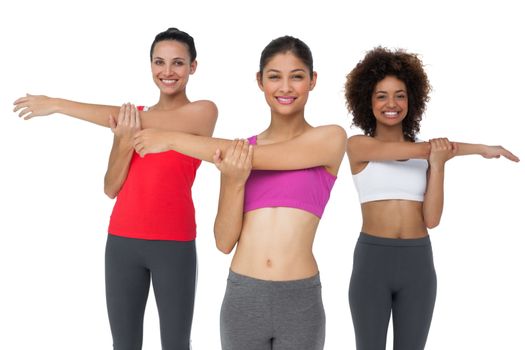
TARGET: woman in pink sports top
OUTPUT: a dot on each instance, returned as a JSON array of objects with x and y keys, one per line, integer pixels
[
  {"x": 273, "y": 297},
  {"x": 142, "y": 247}
]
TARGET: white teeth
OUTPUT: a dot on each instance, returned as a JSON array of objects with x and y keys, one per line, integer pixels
[
  {"x": 285, "y": 99},
  {"x": 168, "y": 81},
  {"x": 391, "y": 114}
]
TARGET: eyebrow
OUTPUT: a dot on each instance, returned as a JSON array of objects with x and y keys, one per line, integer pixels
[
  {"x": 385, "y": 92},
  {"x": 293, "y": 71},
  {"x": 175, "y": 58}
]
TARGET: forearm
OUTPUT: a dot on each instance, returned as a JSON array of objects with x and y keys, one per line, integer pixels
[
  {"x": 93, "y": 113},
  {"x": 118, "y": 167},
  {"x": 228, "y": 222},
  {"x": 200, "y": 147},
  {"x": 434, "y": 196},
  {"x": 465, "y": 149}
]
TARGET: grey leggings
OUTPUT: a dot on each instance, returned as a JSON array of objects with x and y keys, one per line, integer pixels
[
  {"x": 263, "y": 315},
  {"x": 130, "y": 265},
  {"x": 392, "y": 275}
]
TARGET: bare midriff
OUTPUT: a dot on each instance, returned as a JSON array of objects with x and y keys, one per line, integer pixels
[
  {"x": 276, "y": 245},
  {"x": 394, "y": 219}
]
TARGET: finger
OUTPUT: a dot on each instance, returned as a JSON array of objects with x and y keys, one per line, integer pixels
[
  {"x": 127, "y": 114},
  {"x": 132, "y": 116},
  {"x": 112, "y": 122},
  {"x": 29, "y": 116},
  {"x": 230, "y": 150},
  {"x": 249, "y": 158},
  {"x": 244, "y": 151},
  {"x": 137, "y": 119},
  {"x": 121, "y": 113},
  {"x": 510, "y": 156},
  {"x": 24, "y": 112},
  {"x": 20, "y": 100},
  {"x": 217, "y": 158},
  {"x": 20, "y": 105},
  {"x": 455, "y": 147}
]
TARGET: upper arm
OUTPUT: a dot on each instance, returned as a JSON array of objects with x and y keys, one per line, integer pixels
[
  {"x": 320, "y": 146},
  {"x": 197, "y": 118},
  {"x": 363, "y": 148}
]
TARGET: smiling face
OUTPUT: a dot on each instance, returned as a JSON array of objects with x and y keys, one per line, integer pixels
[
  {"x": 171, "y": 66},
  {"x": 286, "y": 83},
  {"x": 390, "y": 101}
]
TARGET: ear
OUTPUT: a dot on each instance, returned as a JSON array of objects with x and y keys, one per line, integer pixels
[
  {"x": 193, "y": 67},
  {"x": 258, "y": 76},
  {"x": 313, "y": 81}
]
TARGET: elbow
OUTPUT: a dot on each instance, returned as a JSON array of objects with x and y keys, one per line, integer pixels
[
  {"x": 224, "y": 247},
  {"x": 431, "y": 223},
  {"x": 108, "y": 191},
  {"x": 110, "y": 194}
]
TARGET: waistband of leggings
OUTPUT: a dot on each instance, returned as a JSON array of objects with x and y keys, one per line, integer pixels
[
  {"x": 236, "y": 278},
  {"x": 365, "y": 238}
]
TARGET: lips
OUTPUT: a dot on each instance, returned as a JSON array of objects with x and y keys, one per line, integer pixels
[
  {"x": 286, "y": 100},
  {"x": 168, "y": 81},
  {"x": 391, "y": 114}
]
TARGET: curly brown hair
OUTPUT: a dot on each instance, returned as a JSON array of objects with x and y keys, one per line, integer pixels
[{"x": 375, "y": 66}]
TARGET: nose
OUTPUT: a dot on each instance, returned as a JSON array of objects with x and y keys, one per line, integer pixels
[
  {"x": 285, "y": 86},
  {"x": 392, "y": 101},
  {"x": 168, "y": 69}
]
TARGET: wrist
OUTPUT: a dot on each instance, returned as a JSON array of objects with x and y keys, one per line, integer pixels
[
  {"x": 437, "y": 166},
  {"x": 57, "y": 104},
  {"x": 233, "y": 183}
]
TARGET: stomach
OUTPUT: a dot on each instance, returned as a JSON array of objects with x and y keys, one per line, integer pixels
[
  {"x": 394, "y": 219},
  {"x": 275, "y": 244}
]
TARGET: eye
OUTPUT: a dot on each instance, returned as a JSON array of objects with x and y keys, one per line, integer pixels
[
  {"x": 273, "y": 77},
  {"x": 381, "y": 97},
  {"x": 179, "y": 63},
  {"x": 297, "y": 77},
  {"x": 401, "y": 96},
  {"x": 158, "y": 62}
]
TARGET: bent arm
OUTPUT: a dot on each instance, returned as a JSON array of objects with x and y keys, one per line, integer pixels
[
  {"x": 235, "y": 169},
  {"x": 441, "y": 151},
  {"x": 118, "y": 167}
]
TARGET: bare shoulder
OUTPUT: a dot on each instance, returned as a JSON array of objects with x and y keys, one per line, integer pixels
[
  {"x": 357, "y": 140},
  {"x": 332, "y": 133},
  {"x": 203, "y": 107}
]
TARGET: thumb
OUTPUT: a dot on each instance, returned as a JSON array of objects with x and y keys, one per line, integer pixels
[
  {"x": 217, "y": 158},
  {"x": 112, "y": 122}
]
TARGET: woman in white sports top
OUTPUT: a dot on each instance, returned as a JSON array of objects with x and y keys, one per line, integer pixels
[{"x": 400, "y": 186}]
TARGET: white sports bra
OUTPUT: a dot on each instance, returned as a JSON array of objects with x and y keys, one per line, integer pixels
[{"x": 392, "y": 179}]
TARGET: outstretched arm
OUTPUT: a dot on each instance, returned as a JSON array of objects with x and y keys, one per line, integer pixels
[
  {"x": 119, "y": 159},
  {"x": 362, "y": 149},
  {"x": 196, "y": 118},
  {"x": 235, "y": 168},
  {"x": 321, "y": 146},
  {"x": 441, "y": 150}
]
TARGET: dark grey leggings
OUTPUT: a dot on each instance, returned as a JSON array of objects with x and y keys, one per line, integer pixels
[
  {"x": 130, "y": 265},
  {"x": 392, "y": 276},
  {"x": 272, "y": 315}
]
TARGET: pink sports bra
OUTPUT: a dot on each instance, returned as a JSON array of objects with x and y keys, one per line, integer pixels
[{"x": 306, "y": 189}]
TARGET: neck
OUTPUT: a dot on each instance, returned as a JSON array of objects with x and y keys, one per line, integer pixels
[
  {"x": 169, "y": 102},
  {"x": 389, "y": 133},
  {"x": 286, "y": 127}
]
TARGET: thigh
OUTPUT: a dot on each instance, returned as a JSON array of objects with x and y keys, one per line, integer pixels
[
  {"x": 173, "y": 272},
  {"x": 414, "y": 304},
  {"x": 299, "y": 319},
  {"x": 245, "y": 318},
  {"x": 127, "y": 287},
  {"x": 370, "y": 297}
]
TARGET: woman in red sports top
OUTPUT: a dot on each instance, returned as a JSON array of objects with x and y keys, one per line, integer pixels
[{"x": 152, "y": 227}]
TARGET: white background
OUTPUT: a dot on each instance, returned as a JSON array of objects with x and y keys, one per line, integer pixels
[{"x": 54, "y": 214}]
